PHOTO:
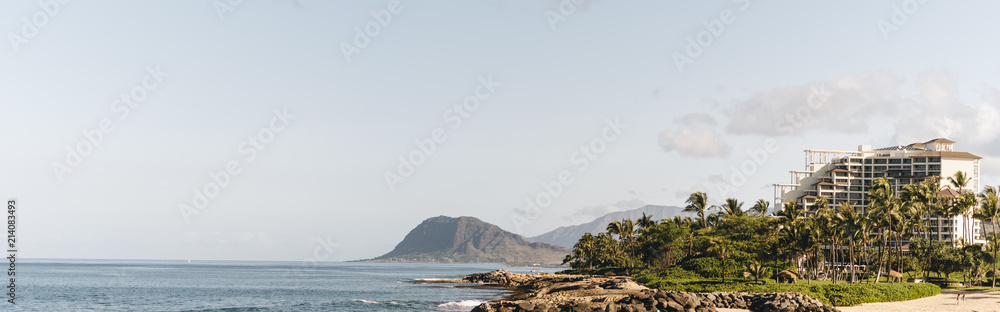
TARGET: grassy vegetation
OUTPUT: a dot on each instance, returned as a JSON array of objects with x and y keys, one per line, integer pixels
[
  {"x": 846, "y": 294},
  {"x": 735, "y": 249}
]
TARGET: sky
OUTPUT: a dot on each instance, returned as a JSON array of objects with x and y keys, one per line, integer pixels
[{"x": 303, "y": 129}]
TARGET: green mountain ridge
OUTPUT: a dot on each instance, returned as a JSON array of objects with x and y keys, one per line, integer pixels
[{"x": 445, "y": 239}]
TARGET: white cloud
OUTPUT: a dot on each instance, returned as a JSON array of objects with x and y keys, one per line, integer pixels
[
  {"x": 694, "y": 142},
  {"x": 940, "y": 112},
  {"x": 696, "y": 119},
  {"x": 842, "y": 105}
]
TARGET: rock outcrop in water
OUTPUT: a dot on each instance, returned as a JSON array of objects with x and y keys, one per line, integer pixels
[
  {"x": 470, "y": 240},
  {"x": 551, "y": 293}
]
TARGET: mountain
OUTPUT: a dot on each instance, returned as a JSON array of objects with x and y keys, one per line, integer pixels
[
  {"x": 470, "y": 240},
  {"x": 568, "y": 235}
]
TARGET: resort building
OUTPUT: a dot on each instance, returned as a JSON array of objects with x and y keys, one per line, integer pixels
[{"x": 845, "y": 176}]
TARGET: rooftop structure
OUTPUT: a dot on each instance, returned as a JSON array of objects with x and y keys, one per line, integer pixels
[{"x": 845, "y": 176}]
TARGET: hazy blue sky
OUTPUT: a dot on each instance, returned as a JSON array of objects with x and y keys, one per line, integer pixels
[{"x": 886, "y": 72}]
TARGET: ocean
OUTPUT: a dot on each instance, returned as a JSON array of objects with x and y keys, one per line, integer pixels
[{"x": 146, "y": 285}]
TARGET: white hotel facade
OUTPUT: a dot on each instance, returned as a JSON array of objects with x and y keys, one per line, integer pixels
[{"x": 844, "y": 176}]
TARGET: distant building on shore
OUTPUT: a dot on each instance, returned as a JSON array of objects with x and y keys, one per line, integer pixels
[{"x": 845, "y": 176}]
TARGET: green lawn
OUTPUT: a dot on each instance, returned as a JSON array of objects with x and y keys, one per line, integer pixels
[{"x": 846, "y": 294}]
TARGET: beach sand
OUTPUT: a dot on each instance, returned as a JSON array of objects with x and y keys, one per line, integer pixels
[{"x": 974, "y": 301}]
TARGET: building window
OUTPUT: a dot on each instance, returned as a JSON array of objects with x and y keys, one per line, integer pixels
[
  {"x": 906, "y": 161},
  {"x": 920, "y": 159},
  {"x": 934, "y": 159}
]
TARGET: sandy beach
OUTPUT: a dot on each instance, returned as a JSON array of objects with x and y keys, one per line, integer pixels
[{"x": 974, "y": 301}]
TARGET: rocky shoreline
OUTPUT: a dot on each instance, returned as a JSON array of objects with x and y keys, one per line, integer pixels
[{"x": 552, "y": 292}]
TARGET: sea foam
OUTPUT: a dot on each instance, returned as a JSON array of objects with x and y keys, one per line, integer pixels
[{"x": 460, "y": 304}]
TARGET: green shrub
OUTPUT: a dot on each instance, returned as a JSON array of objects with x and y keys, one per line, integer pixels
[
  {"x": 672, "y": 276},
  {"x": 707, "y": 267},
  {"x": 846, "y": 294},
  {"x": 712, "y": 267},
  {"x": 854, "y": 294}
]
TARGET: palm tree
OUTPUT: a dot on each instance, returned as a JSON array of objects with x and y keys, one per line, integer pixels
[
  {"x": 761, "y": 207},
  {"x": 583, "y": 250},
  {"x": 732, "y": 208},
  {"x": 964, "y": 206},
  {"x": 989, "y": 201},
  {"x": 990, "y": 212},
  {"x": 625, "y": 229},
  {"x": 919, "y": 197},
  {"x": 721, "y": 248},
  {"x": 994, "y": 240},
  {"x": 698, "y": 203},
  {"x": 645, "y": 223},
  {"x": 850, "y": 222},
  {"x": 791, "y": 212},
  {"x": 826, "y": 223},
  {"x": 883, "y": 202},
  {"x": 822, "y": 203},
  {"x": 932, "y": 205},
  {"x": 960, "y": 180},
  {"x": 905, "y": 221}
]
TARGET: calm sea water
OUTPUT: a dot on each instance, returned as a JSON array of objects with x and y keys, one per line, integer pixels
[{"x": 126, "y": 285}]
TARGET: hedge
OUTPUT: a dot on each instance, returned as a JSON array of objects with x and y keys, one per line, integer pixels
[{"x": 846, "y": 294}]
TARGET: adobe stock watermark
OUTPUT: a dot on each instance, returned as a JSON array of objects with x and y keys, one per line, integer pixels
[
  {"x": 581, "y": 159},
  {"x": 322, "y": 250},
  {"x": 758, "y": 157},
  {"x": 455, "y": 116},
  {"x": 225, "y": 7},
  {"x": 31, "y": 26},
  {"x": 219, "y": 179},
  {"x": 122, "y": 107},
  {"x": 899, "y": 16},
  {"x": 564, "y": 10},
  {"x": 364, "y": 35},
  {"x": 714, "y": 29}
]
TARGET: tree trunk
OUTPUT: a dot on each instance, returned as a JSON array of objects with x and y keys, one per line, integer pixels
[
  {"x": 995, "y": 247},
  {"x": 881, "y": 258},
  {"x": 807, "y": 266},
  {"x": 994, "y": 267},
  {"x": 853, "y": 273},
  {"x": 927, "y": 274},
  {"x": 927, "y": 237},
  {"x": 833, "y": 265},
  {"x": 833, "y": 261},
  {"x": 899, "y": 252}
]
